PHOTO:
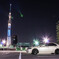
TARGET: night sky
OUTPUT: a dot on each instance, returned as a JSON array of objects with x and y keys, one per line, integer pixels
[{"x": 39, "y": 19}]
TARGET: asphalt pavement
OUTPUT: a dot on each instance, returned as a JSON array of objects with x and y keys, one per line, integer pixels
[{"x": 16, "y": 55}]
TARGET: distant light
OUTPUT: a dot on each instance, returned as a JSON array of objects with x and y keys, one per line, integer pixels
[
  {"x": 0, "y": 45},
  {"x": 9, "y": 24},
  {"x": 4, "y": 41},
  {"x": 21, "y": 14},
  {"x": 45, "y": 40},
  {"x": 10, "y": 15},
  {"x": 10, "y": 4},
  {"x": 36, "y": 42}
]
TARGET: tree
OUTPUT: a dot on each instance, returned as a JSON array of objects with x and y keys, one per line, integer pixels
[{"x": 57, "y": 32}]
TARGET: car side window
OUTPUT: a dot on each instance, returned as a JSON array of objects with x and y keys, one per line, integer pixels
[{"x": 51, "y": 44}]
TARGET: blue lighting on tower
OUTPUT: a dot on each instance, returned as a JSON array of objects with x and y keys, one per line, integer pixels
[
  {"x": 9, "y": 32},
  {"x": 9, "y": 26}
]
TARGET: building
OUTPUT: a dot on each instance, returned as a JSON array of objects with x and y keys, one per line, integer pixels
[{"x": 14, "y": 39}]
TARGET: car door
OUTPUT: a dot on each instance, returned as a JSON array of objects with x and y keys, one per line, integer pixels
[
  {"x": 43, "y": 49},
  {"x": 52, "y": 47}
]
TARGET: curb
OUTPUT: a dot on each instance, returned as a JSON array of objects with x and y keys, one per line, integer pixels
[{"x": 14, "y": 51}]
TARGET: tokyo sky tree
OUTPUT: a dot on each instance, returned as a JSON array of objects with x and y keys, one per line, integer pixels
[{"x": 9, "y": 28}]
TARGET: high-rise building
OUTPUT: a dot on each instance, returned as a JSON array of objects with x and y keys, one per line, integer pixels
[
  {"x": 9, "y": 29},
  {"x": 14, "y": 39},
  {"x": 57, "y": 31}
]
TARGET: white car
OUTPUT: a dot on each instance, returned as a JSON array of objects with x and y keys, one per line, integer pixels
[{"x": 48, "y": 48}]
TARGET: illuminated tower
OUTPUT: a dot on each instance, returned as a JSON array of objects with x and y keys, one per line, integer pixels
[
  {"x": 9, "y": 29},
  {"x": 57, "y": 30}
]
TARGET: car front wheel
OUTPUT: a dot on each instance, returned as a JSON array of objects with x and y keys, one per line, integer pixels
[{"x": 35, "y": 51}]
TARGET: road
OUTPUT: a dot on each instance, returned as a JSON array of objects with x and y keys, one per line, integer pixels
[
  {"x": 29, "y": 56},
  {"x": 15, "y": 55}
]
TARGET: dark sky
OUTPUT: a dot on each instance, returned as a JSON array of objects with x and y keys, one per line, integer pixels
[{"x": 39, "y": 19}]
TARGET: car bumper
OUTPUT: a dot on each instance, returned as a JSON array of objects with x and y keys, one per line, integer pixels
[{"x": 29, "y": 51}]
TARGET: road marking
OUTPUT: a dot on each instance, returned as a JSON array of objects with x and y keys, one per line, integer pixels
[{"x": 20, "y": 55}]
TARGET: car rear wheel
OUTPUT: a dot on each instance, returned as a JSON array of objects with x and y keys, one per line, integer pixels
[
  {"x": 57, "y": 51},
  {"x": 35, "y": 51}
]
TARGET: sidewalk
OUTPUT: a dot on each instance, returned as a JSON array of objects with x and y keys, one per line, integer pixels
[{"x": 12, "y": 51}]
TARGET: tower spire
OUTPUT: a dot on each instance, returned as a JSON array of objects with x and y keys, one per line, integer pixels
[{"x": 10, "y": 7}]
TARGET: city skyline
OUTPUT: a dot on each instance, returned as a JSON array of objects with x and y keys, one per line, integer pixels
[{"x": 39, "y": 19}]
